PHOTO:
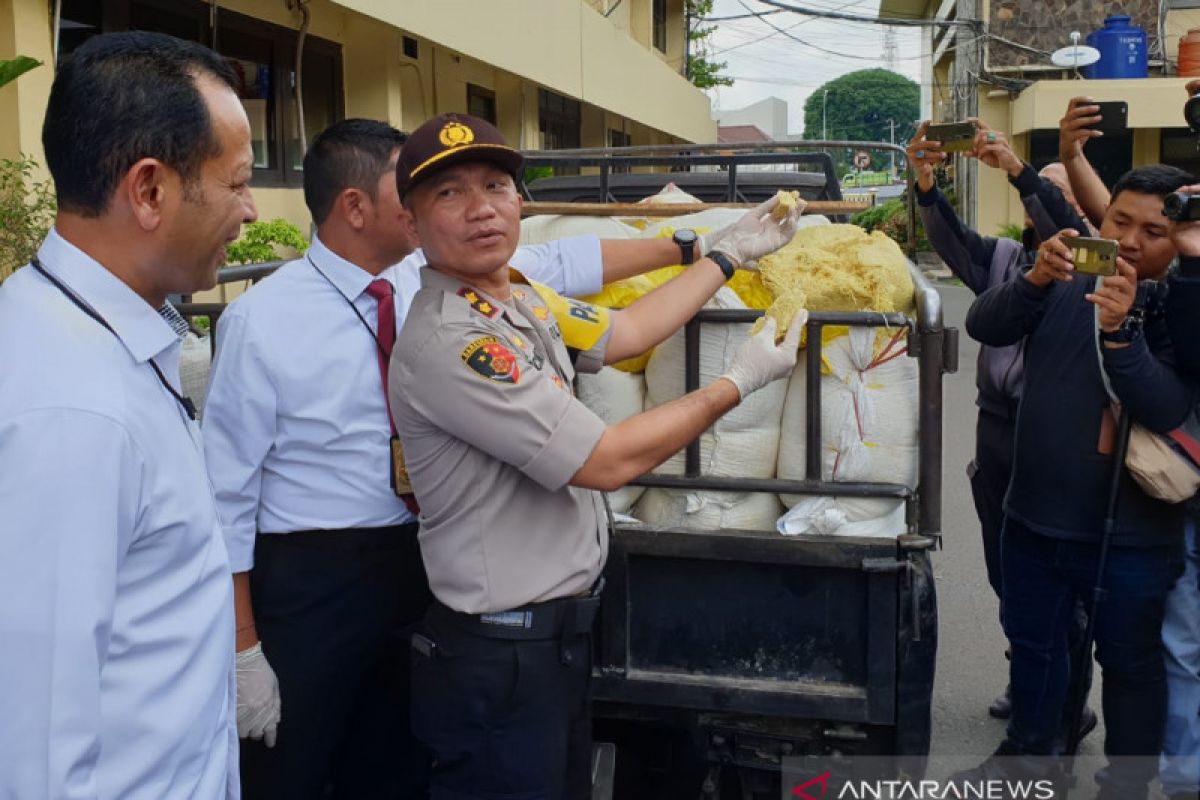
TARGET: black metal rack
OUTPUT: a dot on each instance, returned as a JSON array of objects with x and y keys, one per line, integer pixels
[{"x": 929, "y": 341}]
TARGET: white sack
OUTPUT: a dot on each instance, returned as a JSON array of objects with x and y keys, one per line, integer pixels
[
  {"x": 743, "y": 443},
  {"x": 548, "y": 227},
  {"x": 868, "y": 433},
  {"x": 614, "y": 395}
]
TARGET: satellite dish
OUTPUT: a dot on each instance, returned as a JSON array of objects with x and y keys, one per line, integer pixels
[{"x": 1076, "y": 55}]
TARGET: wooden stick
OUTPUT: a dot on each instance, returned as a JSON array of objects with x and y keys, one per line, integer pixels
[{"x": 533, "y": 207}]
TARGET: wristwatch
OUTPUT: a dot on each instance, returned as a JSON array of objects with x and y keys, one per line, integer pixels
[
  {"x": 722, "y": 261},
  {"x": 1130, "y": 327},
  {"x": 686, "y": 238}
]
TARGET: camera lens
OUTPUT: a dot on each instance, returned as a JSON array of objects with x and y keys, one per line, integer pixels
[
  {"x": 1173, "y": 205},
  {"x": 1182, "y": 207},
  {"x": 1191, "y": 113}
]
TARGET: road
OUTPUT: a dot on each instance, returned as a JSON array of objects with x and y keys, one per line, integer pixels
[{"x": 971, "y": 665}]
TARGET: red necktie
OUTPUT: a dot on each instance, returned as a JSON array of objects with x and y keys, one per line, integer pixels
[
  {"x": 385, "y": 298},
  {"x": 385, "y": 330}
]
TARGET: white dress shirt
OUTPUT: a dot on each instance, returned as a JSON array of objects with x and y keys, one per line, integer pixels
[
  {"x": 296, "y": 425},
  {"x": 116, "y": 607}
]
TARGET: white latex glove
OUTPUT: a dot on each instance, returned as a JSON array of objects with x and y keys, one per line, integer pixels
[
  {"x": 258, "y": 707},
  {"x": 760, "y": 361},
  {"x": 756, "y": 234}
]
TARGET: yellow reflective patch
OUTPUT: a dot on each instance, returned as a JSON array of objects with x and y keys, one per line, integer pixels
[{"x": 582, "y": 324}]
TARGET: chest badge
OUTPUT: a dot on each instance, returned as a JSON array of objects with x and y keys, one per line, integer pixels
[{"x": 490, "y": 358}]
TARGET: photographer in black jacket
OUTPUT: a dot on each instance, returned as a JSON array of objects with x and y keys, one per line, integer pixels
[{"x": 1056, "y": 499}]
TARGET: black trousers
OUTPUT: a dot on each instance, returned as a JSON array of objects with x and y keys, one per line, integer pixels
[
  {"x": 504, "y": 719},
  {"x": 989, "y": 474},
  {"x": 334, "y": 611}
]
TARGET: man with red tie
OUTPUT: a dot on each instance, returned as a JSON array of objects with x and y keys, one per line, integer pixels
[{"x": 307, "y": 472}]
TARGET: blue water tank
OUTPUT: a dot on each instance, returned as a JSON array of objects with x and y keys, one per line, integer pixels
[{"x": 1122, "y": 50}]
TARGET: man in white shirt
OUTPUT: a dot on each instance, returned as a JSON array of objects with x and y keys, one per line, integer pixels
[
  {"x": 116, "y": 612},
  {"x": 327, "y": 570}
]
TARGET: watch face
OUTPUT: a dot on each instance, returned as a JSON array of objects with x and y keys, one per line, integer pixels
[{"x": 685, "y": 236}]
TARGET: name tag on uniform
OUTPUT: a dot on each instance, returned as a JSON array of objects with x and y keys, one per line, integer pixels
[{"x": 400, "y": 483}]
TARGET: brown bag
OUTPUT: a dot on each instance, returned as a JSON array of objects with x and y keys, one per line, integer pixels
[{"x": 1156, "y": 466}]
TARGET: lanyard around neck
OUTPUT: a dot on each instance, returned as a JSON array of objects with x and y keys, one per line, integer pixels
[
  {"x": 184, "y": 402},
  {"x": 354, "y": 308}
]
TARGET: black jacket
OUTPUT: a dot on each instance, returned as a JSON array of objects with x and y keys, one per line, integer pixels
[
  {"x": 1060, "y": 479},
  {"x": 982, "y": 262}
]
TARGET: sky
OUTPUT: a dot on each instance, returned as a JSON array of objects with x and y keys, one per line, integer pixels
[{"x": 766, "y": 63}]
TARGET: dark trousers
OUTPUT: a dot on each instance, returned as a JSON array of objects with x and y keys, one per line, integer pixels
[
  {"x": 334, "y": 611},
  {"x": 1043, "y": 579},
  {"x": 504, "y": 719},
  {"x": 989, "y": 473}
]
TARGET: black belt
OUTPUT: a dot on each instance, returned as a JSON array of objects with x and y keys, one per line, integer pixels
[
  {"x": 385, "y": 537},
  {"x": 553, "y": 619}
]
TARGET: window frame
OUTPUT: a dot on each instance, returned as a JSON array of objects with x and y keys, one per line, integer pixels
[
  {"x": 476, "y": 92},
  {"x": 658, "y": 25},
  {"x": 115, "y": 15},
  {"x": 1179, "y": 136}
]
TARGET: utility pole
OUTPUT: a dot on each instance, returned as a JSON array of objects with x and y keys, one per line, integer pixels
[
  {"x": 892, "y": 139},
  {"x": 824, "y": 101}
]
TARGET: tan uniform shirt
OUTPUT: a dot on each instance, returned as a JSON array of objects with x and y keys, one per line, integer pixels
[{"x": 481, "y": 392}]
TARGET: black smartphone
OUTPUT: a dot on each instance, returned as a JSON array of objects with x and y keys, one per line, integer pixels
[
  {"x": 954, "y": 136},
  {"x": 1114, "y": 117},
  {"x": 1094, "y": 256}
]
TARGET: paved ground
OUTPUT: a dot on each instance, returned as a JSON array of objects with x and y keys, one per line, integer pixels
[{"x": 971, "y": 664}]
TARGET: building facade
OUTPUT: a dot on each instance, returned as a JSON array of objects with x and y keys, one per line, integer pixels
[
  {"x": 991, "y": 58},
  {"x": 549, "y": 73}
]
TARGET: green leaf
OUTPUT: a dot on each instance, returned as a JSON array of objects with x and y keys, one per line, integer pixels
[{"x": 12, "y": 69}]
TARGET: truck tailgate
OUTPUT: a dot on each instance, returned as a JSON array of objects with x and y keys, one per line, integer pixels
[{"x": 751, "y": 622}]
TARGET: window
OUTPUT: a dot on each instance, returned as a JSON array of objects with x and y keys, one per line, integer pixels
[
  {"x": 558, "y": 121},
  {"x": 1111, "y": 156},
  {"x": 481, "y": 103},
  {"x": 619, "y": 139},
  {"x": 659, "y": 16},
  {"x": 80, "y": 21},
  {"x": 1179, "y": 149},
  {"x": 262, "y": 56}
]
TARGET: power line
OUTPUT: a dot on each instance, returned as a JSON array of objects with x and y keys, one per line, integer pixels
[
  {"x": 740, "y": 16},
  {"x": 892, "y": 56},
  {"x": 909, "y": 23},
  {"x": 755, "y": 39}
]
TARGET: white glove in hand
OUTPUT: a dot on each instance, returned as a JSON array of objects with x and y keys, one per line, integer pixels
[
  {"x": 759, "y": 361},
  {"x": 756, "y": 234},
  {"x": 258, "y": 704}
]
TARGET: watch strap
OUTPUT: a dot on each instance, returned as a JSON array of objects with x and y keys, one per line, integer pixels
[
  {"x": 1125, "y": 334},
  {"x": 687, "y": 250},
  {"x": 723, "y": 261}
]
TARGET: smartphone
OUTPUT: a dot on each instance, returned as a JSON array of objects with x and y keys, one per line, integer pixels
[
  {"x": 1094, "y": 256},
  {"x": 954, "y": 136},
  {"x": 1114, "y": 117}
]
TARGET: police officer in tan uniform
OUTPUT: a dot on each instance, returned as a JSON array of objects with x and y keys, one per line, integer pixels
[{"x": 506, "y": 463}]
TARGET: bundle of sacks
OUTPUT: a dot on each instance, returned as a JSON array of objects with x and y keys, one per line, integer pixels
[
  {"x": 868, "y": 384},
  {"x": 742, "y": 444},
  {"x": 868, "y": 433}
]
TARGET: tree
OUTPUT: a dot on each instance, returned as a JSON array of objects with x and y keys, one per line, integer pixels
[
  {"x": 857, "y": 107},
  {"x": 703, "y": 73},
  {"x": 26, "y": 204}
]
